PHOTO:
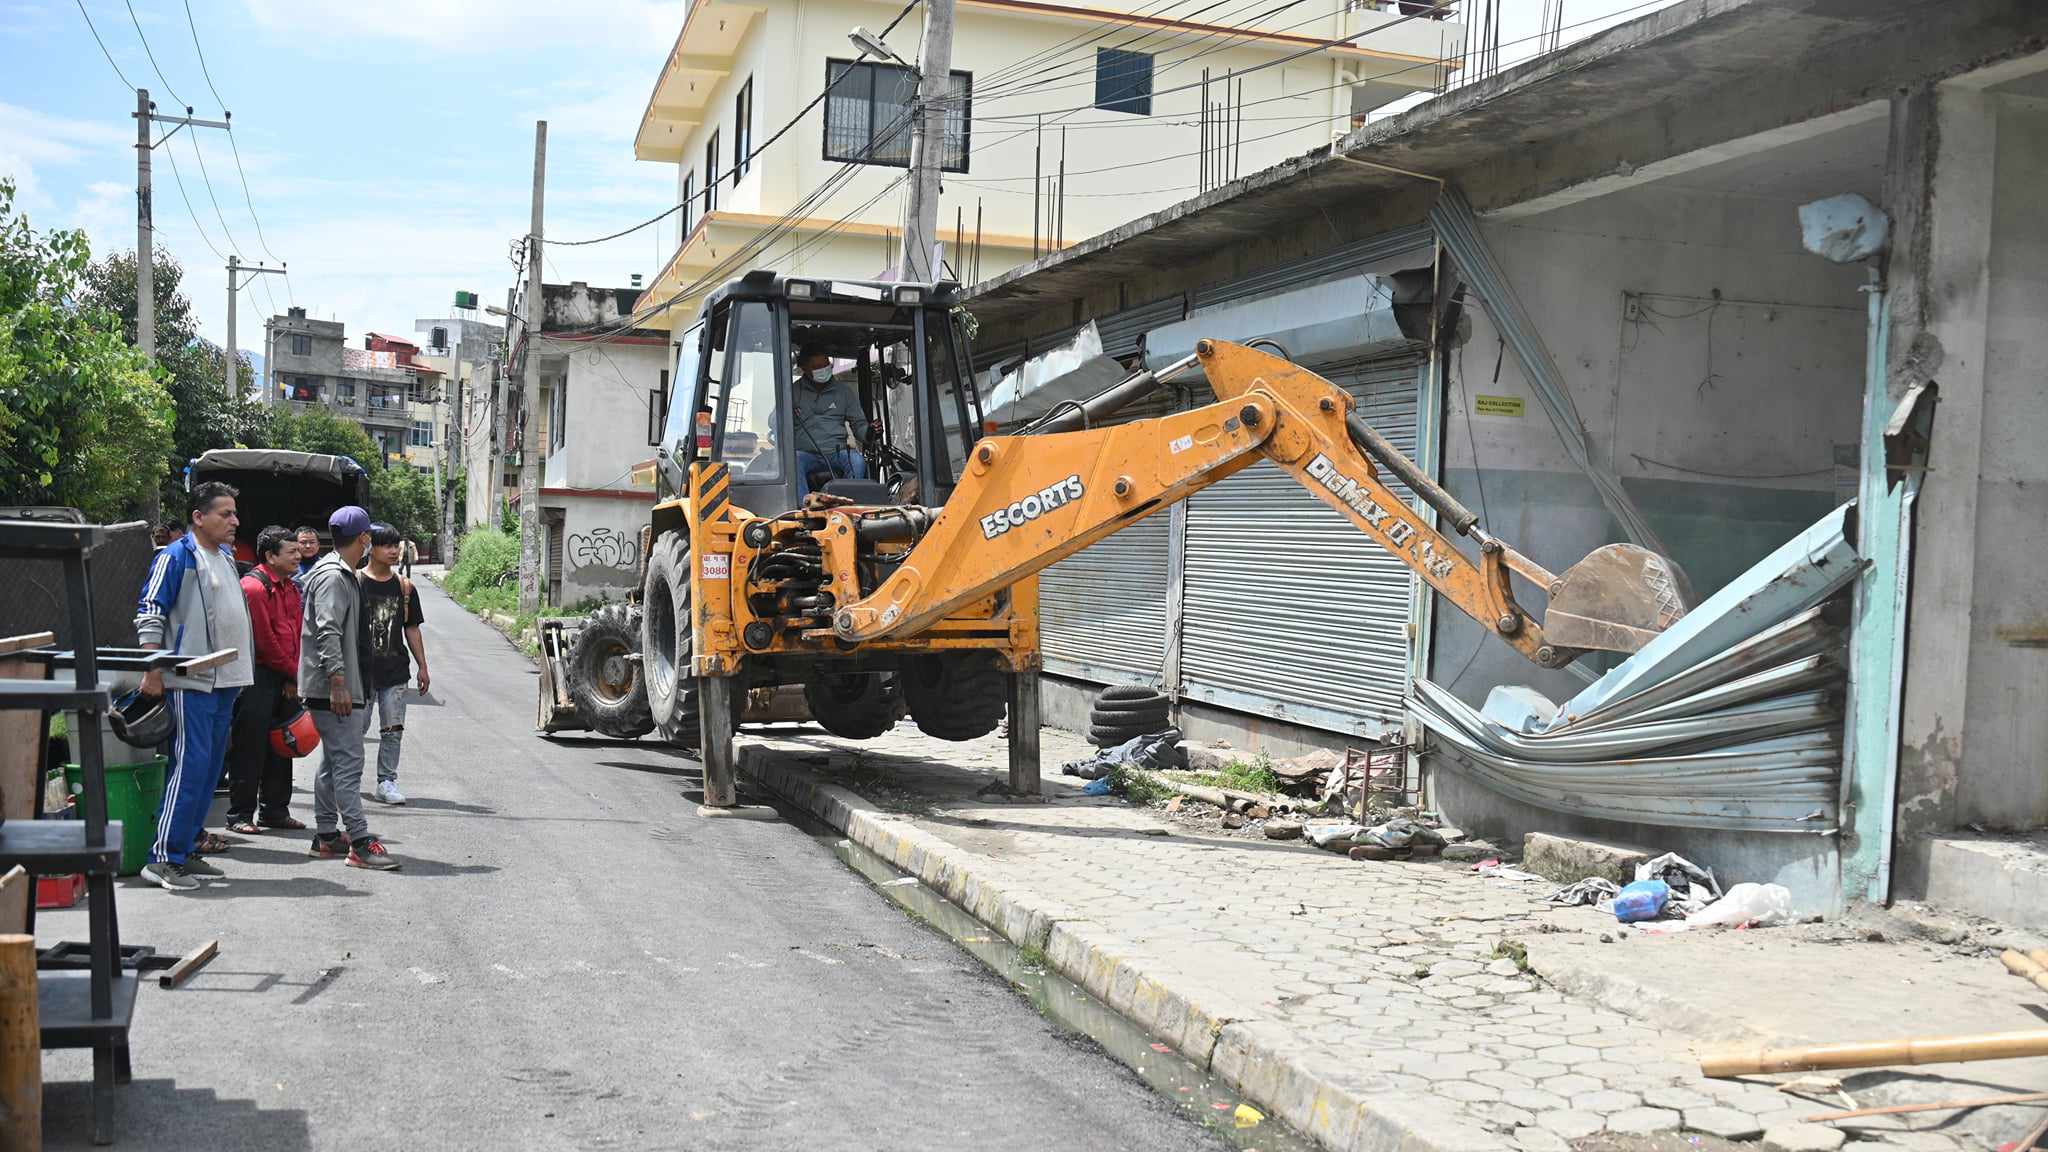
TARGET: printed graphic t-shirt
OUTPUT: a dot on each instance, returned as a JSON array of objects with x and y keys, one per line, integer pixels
[{"x": 387, "y": 613}]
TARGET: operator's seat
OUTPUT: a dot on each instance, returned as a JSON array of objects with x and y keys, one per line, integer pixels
[{"x": 860, "y": 491}]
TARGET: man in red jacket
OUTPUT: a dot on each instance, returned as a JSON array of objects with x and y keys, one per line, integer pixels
[{"x": 275, "y": 615}]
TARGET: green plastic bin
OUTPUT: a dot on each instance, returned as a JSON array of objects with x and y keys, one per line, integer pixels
[{"x": 134, "y": 794}]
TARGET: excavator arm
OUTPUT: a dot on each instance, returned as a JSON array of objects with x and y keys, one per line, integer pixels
[{"x": 1026, "y": 502}]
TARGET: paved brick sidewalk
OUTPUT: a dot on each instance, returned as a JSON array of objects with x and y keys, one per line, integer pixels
[{"x": 1363, "y": 1003}]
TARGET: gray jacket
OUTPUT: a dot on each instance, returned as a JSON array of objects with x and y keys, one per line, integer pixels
[{"x": 327, "y": 639}]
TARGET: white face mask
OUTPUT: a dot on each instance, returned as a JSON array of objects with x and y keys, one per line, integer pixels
[{"x": 822, "y": 375}]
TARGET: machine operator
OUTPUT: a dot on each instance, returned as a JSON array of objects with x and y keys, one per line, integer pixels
[{"x": 823, "y": 408}]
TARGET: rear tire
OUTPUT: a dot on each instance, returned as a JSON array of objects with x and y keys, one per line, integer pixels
[
  {"x": 857, "y": 706},
  {"x": 604, "y": 674},
  {"x": 1134, "y": 693},
  {"x": 954, "y": 696},
  {"x": 665, "y": 642}
]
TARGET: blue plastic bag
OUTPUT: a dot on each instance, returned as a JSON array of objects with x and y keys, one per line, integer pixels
[
  {"x": 1097, "y": 787},
  {"x": 1642, "y": 900}
]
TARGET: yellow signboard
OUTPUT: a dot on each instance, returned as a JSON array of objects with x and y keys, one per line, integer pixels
[{"x": 1484, "y": 405}]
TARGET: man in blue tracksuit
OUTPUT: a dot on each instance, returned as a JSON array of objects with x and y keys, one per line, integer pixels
[{"x": 192, "y": 604}]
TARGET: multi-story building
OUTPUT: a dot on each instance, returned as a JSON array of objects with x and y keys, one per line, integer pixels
[
  {"x": 603, "y": 389},
  {"x": 1070, "y": 119},
  {"x": 379, "y": 386},
  {"x": 466, "y": 352}
]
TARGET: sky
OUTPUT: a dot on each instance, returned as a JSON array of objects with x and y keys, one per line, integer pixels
[{"x": 387, "y": 144}]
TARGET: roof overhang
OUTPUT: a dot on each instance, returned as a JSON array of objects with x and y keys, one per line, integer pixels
[
  {"x": 1612, "y": 107},
  {"x": 701, "y": 58}
]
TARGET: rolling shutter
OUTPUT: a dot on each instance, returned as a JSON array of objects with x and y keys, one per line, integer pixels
[
  {"x": 1288, "y": 610},
  {"x": 1102, "y": 611}
]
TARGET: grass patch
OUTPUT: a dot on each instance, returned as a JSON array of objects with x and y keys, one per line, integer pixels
[
  {"x": 1137, "y": 786},
  {"x": 1244, "y": 776},
  {"x": 1032, "y": 956},
  {"x": 1512, "y": 950}
]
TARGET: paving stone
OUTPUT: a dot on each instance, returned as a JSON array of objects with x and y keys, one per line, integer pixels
[
  {"x": 1571, "y": 1125},
  {"x": 1540, "y": 1140},
  {"x": 1571, "y": 1085},
  {"x": 1604, "y": 1101},
  {"x": 1642, "y": 1121},
  {"x": 1504, "y": 1115},
  {"x": 1803, "y": 1138},
  {"x": 1504, "y": 967},
  {"x": 1535, "y": 1099},
  {"x": 1503, "y": 1079},
  {"x": 1468, "y": 1092},
  {"x": 1723, "y": 1121},
  {"x": 1909, "y": 1141}
]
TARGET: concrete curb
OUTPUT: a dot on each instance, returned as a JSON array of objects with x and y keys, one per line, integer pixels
[{"x": 1256, "y": 1057}]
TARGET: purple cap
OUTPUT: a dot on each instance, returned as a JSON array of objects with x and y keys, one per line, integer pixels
[{"x": 348, "y": 522}]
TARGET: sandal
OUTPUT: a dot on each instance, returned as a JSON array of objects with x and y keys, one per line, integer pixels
[
  {"x": 244, "y": 828},
  {"x": 284, "y": 823},
  {"x": 212, "y": 842}
]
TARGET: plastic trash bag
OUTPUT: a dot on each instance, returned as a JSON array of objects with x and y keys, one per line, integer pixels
[
  {"x": 1642, "y": 900},
  {"x": 1759, "y": 904},
  {"x": 1157, "y": 752}
]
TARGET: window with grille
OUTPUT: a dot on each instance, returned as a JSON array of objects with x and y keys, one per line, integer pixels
[
  {"x": 1123, "y": 81},
  {"x": 867, "y": 114}
]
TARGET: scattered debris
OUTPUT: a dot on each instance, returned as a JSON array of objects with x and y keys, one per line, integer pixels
[
  {"x": 1098, "y": 786},
  {"x": 1372, "y": 852},
  {"x": 1335, "y": 837},
  {"x": 1692, "y": 887},
  {"x": 1753, "y": 905},
  {"x": 1595, "y": 891},
  {"x": 1232, "y": 820},
  {"x": 1155, "y": 751},
  {"x": 1642, "y": 900},
  {"x": 1283, "y": 829}
]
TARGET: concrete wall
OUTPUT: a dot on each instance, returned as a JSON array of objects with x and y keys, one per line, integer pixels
[
  {"x": 600, "y": 545},
  {"x": 1974, "y": 744},
  {"x": 606, "y": 424},
  {"x": 1760, "y": 388}
]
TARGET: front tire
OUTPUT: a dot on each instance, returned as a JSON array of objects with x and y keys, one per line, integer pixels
[
  {"x": 605, "y": 678},
  {"x": 665, "y": 642}
]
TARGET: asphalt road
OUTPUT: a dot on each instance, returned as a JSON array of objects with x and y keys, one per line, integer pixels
[{"x": 573, "y": 959}]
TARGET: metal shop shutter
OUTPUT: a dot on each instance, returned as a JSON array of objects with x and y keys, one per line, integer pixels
[
  {"x": 1102, "y": 611},
  {"x": 1288, "y": 610},
  {"x": 1121, "y": 331}
]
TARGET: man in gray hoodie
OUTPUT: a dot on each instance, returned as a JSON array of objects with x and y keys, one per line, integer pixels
[{"x": 333, "y": 687}]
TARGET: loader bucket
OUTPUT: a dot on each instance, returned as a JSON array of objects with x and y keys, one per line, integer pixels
[{"x": 1617, "y": 599}]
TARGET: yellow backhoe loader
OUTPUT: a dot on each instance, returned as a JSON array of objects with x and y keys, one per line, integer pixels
[{"x": 910, "y": 585}]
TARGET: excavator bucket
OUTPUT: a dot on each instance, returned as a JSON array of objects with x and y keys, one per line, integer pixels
[{"x": 1617, "y": 599}]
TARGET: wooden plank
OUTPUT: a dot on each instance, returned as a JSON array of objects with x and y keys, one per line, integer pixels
[
  {"x": 192, "y": 962},
  {"x": 9, "y": 645},
  {"x": 21, "y": 1045},
  {"x": 1938, "y": 1106}
]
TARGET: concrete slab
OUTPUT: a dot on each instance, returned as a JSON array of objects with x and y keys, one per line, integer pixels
[
  {"x": 2002, "y": 878},
  {"x": 1567, "y": 860}
]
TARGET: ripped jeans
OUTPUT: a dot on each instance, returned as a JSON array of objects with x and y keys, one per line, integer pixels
[{"x": 390, "y": 710}]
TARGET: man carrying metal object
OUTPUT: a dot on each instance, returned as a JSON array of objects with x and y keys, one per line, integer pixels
[{"x": 192, "y": 604}]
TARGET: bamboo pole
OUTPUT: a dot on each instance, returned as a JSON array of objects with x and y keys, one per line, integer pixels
[
  {"x": 21, "y": 1047},
  {"x": 1876, "y": 1054},
  {"x": 2026, "y": 966}
]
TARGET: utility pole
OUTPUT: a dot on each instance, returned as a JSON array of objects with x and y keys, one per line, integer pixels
[
  {"x": 145, "y": 242},
  {"x": 529, "y": 443},
  {"x": 237, "y": 270},
  {"x": 928, "y": 141},
  {"x": 444, "y": 483}
]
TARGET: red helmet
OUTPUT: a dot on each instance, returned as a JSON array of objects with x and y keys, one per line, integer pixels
[{"x": 295, "y": 736}]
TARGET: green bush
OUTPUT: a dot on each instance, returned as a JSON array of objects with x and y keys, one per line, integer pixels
[{"x": 488, "y": 564}]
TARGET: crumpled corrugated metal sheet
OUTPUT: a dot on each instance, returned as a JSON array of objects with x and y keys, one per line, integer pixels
[{"x": 1730, "y": 720}]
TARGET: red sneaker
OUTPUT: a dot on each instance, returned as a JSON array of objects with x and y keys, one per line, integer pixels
[
  {"x": 332, "y": 846},
  {"x": 370, "y": 853}
]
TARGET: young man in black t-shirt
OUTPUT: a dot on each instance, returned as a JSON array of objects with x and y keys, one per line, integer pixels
[{"x": 391, "y": 621}]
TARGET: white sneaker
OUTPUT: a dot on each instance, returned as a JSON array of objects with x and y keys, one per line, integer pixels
[{"x": 387, "y": 791}]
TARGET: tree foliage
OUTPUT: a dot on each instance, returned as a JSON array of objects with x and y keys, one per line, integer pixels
[
  {"x": 84, "y": 422},
  {"x": 208, "y": 416}
]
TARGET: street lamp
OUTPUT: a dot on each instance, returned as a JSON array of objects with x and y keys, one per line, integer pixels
[{"x": 872, "y": 45}]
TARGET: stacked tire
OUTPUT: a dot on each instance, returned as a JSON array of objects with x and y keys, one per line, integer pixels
[{"x": 1126, "y": 711}]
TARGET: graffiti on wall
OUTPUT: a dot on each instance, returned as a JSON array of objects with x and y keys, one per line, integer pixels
[{"x": 603, "y": 556}]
